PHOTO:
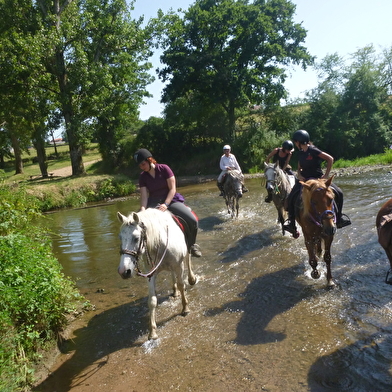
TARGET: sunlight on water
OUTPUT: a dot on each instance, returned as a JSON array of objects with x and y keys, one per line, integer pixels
[{"x": 257, "y": 320}]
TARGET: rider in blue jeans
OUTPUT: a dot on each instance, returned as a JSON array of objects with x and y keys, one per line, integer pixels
[{"x": 310, "y": 159}]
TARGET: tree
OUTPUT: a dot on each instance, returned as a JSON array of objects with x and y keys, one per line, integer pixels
[
  {"x": 95, "y": 54},
  {"x": 233, "y": 52}
]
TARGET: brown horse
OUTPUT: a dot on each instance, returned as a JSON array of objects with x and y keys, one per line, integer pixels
[
  {"x": 317, "y": 218},
  {"x": 384, "y": 230}
]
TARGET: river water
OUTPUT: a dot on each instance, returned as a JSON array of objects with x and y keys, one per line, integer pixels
[{"x": 258, "y": 321}]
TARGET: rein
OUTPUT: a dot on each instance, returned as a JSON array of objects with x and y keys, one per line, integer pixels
[{"x": 136, "y": 254}]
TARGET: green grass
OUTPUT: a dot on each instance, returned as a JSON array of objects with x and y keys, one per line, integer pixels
[{"x": 32, "y": 169}]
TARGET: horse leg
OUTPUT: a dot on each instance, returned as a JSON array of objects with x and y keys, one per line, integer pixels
[
  {"x": 152, "y": 305},
  {"x": 328, "y": 259},
  {"x": 237, "y": 206},
  {"x": 191, "y": 276},
  {"x": 176, "y": 292},
  {"x": 310, "y": 246},
  {"x": 181, "y": 287},
  {"x": 388, "y": 252}
]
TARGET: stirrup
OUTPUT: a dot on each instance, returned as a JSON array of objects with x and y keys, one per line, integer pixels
[{"x": 344, "y": 221}]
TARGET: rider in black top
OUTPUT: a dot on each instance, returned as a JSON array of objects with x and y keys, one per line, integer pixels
[
  {"x": 310, "y": 159},
  {"x": 283, "y": 156}
]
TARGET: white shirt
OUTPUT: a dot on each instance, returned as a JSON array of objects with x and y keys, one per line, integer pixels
[{"x": 229, "y": 162}]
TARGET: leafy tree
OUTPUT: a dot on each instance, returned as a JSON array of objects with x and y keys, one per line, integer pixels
[{"x": 233, "y": 52}]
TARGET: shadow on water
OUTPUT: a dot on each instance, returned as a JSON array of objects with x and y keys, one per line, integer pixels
[
  {"x": 361, "y": 367},
  {"x": 246, "y": 245},
  {"x": 261, "y": 302},
  {"x": 364, "y": 365},
  {"x": 91, "y": 347}
]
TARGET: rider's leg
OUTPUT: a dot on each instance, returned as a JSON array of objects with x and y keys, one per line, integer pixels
[
  {"x": 191, "y": 228},
  {"x": 342, "y": 220},
  {"x": 220, "y": 182},
  {"x": 291, "y": 227}
]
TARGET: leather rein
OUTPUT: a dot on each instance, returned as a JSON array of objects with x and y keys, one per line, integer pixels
[{"x": 136, "y": 254}]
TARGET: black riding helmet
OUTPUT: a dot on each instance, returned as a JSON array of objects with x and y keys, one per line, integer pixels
[
  {"x": 288, "y": 145},
  {"x": 141, "y": 155},
  {"x": 301, "y": 136}
]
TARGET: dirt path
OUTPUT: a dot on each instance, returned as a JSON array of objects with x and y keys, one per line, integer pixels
[{"x": 67, "y": 171}]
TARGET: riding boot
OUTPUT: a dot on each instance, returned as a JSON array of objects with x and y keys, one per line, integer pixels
[
  {"x": 220, "y": 186},
  {"x": 268, "y": 199},
  {"x": 343, "y": 221},
  {"x": 195, "y": 250},
  {"x": 290, "y": 226}
]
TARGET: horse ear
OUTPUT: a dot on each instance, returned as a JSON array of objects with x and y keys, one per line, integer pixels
[
  {"x": 121, "y": 217},
  {"x": 135, "y": 217},
  {"x": 265, "y": 165},
  {"x": 329, "y": 181},
  {"x": 276, "y": 164}
]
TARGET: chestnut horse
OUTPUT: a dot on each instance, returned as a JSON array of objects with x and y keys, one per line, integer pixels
[
  {"x": 317, "y": 218},
  {"x": 384, "y": 231}
]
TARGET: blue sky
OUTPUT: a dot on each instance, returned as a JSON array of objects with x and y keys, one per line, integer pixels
[{"x": 341, "y": 26}]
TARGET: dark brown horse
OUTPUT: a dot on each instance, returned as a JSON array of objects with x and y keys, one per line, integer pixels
[
  {"x": 384, "y": 230},
  {"x": 318, "y": 222}
]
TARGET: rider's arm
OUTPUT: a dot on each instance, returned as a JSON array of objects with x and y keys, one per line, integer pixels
[
  {"x": 171, "y": 183},
  {"x": 271, "y": 154},
  {"x": 329, "y": 160},
  {"x": 143, "y": 198}
]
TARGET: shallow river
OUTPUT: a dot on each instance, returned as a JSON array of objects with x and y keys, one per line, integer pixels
[{"x": 258, "y": 321}]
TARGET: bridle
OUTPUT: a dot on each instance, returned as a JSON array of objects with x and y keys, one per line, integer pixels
[
  {"x": 275, "y": 183},
  {"x": 143, "y": 244},
  {"x": 318, "y": 218}
]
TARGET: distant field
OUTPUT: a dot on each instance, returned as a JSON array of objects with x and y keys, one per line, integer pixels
[{"x": 32, "y": 169}]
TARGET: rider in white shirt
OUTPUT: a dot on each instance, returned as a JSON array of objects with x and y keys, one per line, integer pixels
[{"x": 228, "y": 162}]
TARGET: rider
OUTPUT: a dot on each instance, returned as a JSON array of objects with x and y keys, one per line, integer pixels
[
  {"x": 310, "y": 159},
  {"x": 283, "y": 156},
  {"x": 229, "y": 162},
  {"x": 158, "y": 190}
]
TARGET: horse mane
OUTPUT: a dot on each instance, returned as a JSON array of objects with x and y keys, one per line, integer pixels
[
  {"x": 152, "y": 220},
  {"x": 308, "y": 189}
]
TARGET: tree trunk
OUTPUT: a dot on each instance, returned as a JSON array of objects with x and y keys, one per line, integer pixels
[
  {"x": 41, "y": 157},
  {"x": 17, "y": 154}
]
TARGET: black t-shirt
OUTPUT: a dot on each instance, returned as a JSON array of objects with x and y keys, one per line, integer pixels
[
  {"x": 281, "y": 160},
  {"x": 310, "y": 162}
]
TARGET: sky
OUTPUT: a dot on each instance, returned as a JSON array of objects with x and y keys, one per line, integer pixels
[{"x": 333, "y": 26}]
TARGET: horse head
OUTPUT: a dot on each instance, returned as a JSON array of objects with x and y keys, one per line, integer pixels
[
  {"x": 132, "y": 236},
  {"x": 318, "y": 204},
  {"x": 270, "y": 176}
]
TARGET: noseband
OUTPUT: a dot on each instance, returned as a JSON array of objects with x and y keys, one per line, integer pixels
[{"x": 136, "y": 254}]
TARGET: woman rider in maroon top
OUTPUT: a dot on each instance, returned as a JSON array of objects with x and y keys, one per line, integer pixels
[{"x": 158, "y": 190}]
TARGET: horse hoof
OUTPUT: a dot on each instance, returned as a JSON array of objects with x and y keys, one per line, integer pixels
[
  {"x": 153, "y": 336},
  {"x": 315, "y": 274}
]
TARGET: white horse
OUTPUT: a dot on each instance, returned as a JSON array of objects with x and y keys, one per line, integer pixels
[
  {"x": 233, "y": 191},
  {"x": 151, "y": 241},
  {"x": 278, "y": 185}
]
